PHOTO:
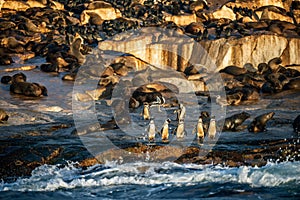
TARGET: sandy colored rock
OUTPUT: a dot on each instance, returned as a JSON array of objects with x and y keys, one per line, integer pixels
[
  {"x": 56, "y": 5},
  {"x": 37, "y": 4},
  {"x": 15, "y": 5},
  {"x": 273, "y": 13},
  {"x": 254, "y": 4},
  {"x": 22, "y": 68},
  {"x": 181, "y": 20},
  {"x": 223, "y": 12},
  {"x": 105, "y": 11}
]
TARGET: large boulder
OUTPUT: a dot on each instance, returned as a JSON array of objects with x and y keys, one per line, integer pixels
[{"x": 100, "y": 9}]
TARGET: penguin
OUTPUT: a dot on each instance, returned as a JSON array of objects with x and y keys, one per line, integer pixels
[
  {"x": 146, "y": 111},
  {"x": 199, "y": 129},
  {"x": 212, "y": 129},
  {"x": 221, "y": 102},
  {"x": 180, "y": 112},
  {"x": 151, "y": 131},
  {"x": 180, "y": 131},
  {"x": 165, "y": 131}
]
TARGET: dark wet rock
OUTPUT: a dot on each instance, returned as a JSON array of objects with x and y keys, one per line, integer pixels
[
  {"x": 5, "y": 59},
  {"x": 260, "y": 122},
  {"x": 258, "y": 155},
  {"x": 296, "y": 124},
  {"x": 6, "y": 79}
]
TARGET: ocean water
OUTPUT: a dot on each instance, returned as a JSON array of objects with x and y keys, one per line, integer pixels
[{"x": 166, "y": 180}]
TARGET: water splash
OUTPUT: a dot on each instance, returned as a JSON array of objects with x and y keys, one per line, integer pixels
[{"x": 55, "y": 177}]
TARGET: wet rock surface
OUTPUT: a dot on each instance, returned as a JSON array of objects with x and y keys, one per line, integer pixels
[{"x": 256, "y": 43}]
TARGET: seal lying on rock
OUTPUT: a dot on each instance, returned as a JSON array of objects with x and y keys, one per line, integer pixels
[
  {"x": 20, "y": 86},
  {"x": 296, "y": 124},
  {"x": 233, "y": 70},
  {"x": 3, "y": 115},
  {"x": 292, "y": 84},
  {"x": 233, "y": 122},
  {"x": 259, "y": 123}
]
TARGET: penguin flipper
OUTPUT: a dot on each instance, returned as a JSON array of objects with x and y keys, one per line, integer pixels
[{"x": 174, "y": 131}]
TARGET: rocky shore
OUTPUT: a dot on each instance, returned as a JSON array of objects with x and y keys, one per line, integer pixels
[{"x": 253, "y": 45}]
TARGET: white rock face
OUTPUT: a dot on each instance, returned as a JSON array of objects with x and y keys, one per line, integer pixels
[
  {"x": 260, "y": 3},
  {"x": 253, "y": 49}
]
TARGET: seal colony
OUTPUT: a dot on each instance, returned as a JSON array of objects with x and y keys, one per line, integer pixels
[{"x": 64, "y": 32}]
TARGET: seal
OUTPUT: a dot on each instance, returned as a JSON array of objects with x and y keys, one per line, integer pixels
[
  {"x": 3, "y": 115},
  {"x": 233, "y": 70},
  {"x": 292, "y": 84},
  {"x": 20, "y": 86},
  {"x": 289, "y": 72},
  {"x": 296, "y": 124},
  {"x": 275, "y": 83},
  {"x": 199, "y": 130},
  {"x": 151, "y": 131},
  {"x": 75, "y": 48},
  {"x": 28, "y": 89},
  {"x": 165, "y": 131},
  {"x": 19, "y": 77},
  {"x": 275, "y": 63},
  {"x": 232, "y": 123},
  {"x": 48, "y": 67},
  {"x": 198, "y": 5},
  {"x": 179, "y": 130},
  {"x": 259, "y": 123},
  {"x": 263, "y": 68},
  {"x": 212, "y": 129}
]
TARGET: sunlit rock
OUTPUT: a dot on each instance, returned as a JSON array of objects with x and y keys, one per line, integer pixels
[
  {"x": 181, "y": 20},
  {"x": 223, "y": 12},
  {"x": 100, "y": 9}
]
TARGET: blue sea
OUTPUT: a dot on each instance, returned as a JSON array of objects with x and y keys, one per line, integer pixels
[{"x": 168, "y": 180}]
